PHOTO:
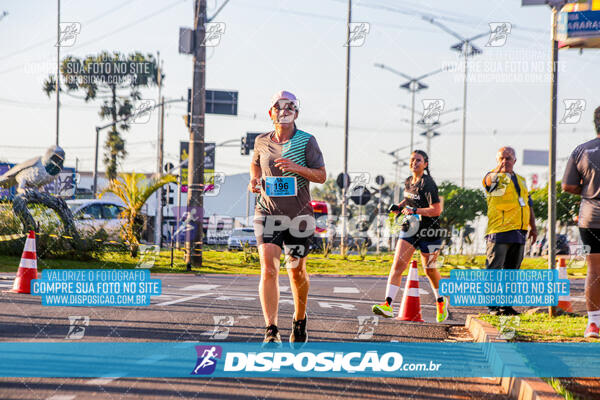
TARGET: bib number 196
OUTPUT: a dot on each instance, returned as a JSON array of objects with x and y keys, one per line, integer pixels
[{"x": 280, "y": 186}]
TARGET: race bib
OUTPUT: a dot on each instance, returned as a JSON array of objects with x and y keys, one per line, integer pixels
[{"x": 280, "y": 186}]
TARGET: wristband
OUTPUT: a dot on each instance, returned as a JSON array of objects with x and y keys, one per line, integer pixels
[{"x": 413, "y": 209}]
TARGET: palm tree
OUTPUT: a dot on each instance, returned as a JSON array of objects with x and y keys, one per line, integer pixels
[{"x": 134, "y": 192}]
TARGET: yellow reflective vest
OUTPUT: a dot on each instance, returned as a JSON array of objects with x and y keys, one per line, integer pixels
[{"x": 507, "y": 210}]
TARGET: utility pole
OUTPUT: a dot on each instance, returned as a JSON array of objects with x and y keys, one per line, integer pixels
[
  {"x": 159, "y": 158},
  {"x": 346, "y": 118},
  {"x": 552, "y": 153},
  {"x": 195, "y": 202},
  {"x": 413, "y": 86},
  {"x": 57, "y": 70},
  {"x": 467, "y": 49}
]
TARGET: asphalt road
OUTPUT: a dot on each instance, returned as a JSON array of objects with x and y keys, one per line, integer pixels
[{"x": 205, "y": 308}]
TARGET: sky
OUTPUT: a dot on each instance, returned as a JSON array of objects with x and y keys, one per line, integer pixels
[{"x": 299, "y": 46}]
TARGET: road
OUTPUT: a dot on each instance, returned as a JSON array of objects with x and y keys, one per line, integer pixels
[{"x": 205, "y": 308}]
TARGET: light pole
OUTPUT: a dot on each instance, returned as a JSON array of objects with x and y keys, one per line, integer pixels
[
  {"x": 467, "y": 49},
  {"x": 58, "y": 44},
  {"x": 430, "y": 133},
  {"x": 346, "y": 120},
  {"x": 413, "y": 86}
]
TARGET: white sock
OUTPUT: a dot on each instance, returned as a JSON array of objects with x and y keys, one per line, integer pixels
[
  {"x": 391, "y": 291},
  {"x": 435, "y": 293},
  {"x": 594, "y": 316}
]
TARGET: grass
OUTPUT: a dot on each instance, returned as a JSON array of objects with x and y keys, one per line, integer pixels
[
  {"x": 539, "y": 327},
  {"x": 227, "y": 262}
]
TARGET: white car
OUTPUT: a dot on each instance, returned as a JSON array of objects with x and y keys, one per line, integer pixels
[{"x": 93, "y": 215}]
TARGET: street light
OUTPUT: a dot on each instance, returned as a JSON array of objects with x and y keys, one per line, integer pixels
[
  {"x": 430, "y": 133},
  {"x": 413, "y": 86},
  {"x": 399, "y": 163},
  {"x": 467, "y": 49}
]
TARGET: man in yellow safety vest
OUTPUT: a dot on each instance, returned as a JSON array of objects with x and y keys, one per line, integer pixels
[{"x": 510, "y": 214}]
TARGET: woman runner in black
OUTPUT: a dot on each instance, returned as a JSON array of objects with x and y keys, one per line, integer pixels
[
  {"x": 285, "y": 161},
  {"x": 421, "y": 230}
]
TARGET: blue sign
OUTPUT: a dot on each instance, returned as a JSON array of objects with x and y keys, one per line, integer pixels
[
  {"x": 279, "y": 186},
  {"x": 6, "y": 194},
  {"x": 578, "y": 24}
]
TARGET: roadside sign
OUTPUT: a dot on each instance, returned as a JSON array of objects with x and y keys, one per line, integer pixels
[
  {"x": 360, "y": 195},
  {"x": 221, "y": 102},
  {"x": 578, "y": 24},
  {"x": 535, "y": 157}
]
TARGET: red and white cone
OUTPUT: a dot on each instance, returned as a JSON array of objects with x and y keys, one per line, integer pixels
[
  {"x": 564, "y": 302},
  {"x": 27, "y": 267},
  {"x": 411, "y": 301}
]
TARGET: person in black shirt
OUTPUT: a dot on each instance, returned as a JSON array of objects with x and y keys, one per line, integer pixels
[{"x": 421, "y": 207}]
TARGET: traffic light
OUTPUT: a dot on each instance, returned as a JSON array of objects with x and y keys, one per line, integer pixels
[
  {"x": 248, "y": 143},
  {"x": 188, "y": 116}
]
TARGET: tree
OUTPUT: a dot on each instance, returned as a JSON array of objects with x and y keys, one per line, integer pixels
[
  {"x": 115, "y": 79},
  {"x": 327, "y": 192},
  {"x": 134, "y": 192},
  {"x": 567, "y": 205},
  {"x": 461, "y": 205}
]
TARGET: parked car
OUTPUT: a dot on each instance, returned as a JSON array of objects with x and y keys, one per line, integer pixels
[
  {"x": 540, "y": 248},
  {"x": 241, "y": 236},
  {"x": 93, "y": 215}
]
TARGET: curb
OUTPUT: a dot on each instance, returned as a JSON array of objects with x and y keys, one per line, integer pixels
[{"x": 516, "y": 388}]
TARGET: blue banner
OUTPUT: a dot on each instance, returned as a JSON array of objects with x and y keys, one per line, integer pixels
[{"x": 318, "y": 359}]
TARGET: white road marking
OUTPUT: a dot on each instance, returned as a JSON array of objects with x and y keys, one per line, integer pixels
[
  {"x": 235, "y": 298},
  {"x": 102, "y": 380},
  {"x": 286, "y": 301},
  {"x": 62, "y": 397},
  {"x": 289, "y": 299},
  {"x": 344, "y": 306},
  {"x": 340, "y": 289},
  {"x": 577, "y": 298},
  {"x": 284, "y": 288},
  {"x": 201, "y": 287},
  {"x": 168, "y": 303}
]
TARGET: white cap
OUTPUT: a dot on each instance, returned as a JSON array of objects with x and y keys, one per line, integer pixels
[{"x": 284, "y": 95}]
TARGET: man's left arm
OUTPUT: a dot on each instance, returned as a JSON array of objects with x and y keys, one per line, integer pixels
[{"x": 532, "y": 227}]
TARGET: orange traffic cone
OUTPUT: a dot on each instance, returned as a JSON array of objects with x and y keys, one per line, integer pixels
[
  {"x": 27, "y": 267},
  {"x": 411, "y": 302},
  {"x": 564, "y": 302}
]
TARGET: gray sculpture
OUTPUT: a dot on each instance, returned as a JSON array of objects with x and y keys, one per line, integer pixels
[{"x": 30, "y": 175}]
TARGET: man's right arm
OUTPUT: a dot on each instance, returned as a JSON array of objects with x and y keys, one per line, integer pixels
[{"x": 255, "y": 174}]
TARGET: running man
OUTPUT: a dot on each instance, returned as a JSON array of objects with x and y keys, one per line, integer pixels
[
  {"x": 285, "y": 161},
  {"x": 582, "y": 178},
  {"x": 422, "y": 203}
]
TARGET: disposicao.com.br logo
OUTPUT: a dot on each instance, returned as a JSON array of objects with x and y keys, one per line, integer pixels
[{"x": 327, "y": 361}]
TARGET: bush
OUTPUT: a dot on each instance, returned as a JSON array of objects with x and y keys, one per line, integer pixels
[{"x": 50, "y": 240}]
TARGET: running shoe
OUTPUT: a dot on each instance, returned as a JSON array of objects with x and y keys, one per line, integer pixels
[
  {"x": 592, "y": 331},
  {"x": 272, "y": 338},
  {"x": 299, "y": 335},
  {"x": 442, "y": 309},
  {"x": 383, "y": 309}
]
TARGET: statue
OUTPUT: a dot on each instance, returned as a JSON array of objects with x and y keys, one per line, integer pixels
[{"x": 32, "y": 174}]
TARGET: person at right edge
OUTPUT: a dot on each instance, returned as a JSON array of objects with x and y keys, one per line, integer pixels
[
  {"x": 510, "y": 212},
  {"x": 582, "y": 177}
]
